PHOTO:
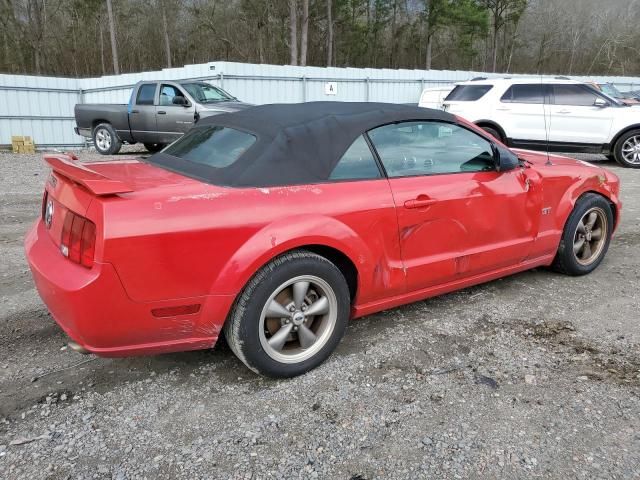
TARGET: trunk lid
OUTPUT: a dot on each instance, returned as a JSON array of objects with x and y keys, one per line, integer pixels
[{"x": 73, "y": 186}]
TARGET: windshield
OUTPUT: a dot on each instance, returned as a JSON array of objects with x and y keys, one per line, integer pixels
[
  {"x": 205, "y": 93},
  {"x": 611, "y": 90}
]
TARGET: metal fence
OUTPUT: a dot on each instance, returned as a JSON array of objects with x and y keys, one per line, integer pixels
[{"x": 42, "y": 107}]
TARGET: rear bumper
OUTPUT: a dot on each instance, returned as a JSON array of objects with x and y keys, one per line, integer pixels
[
  {"x": 93, "y": 308},
  {"x": 85, "y": 132}
]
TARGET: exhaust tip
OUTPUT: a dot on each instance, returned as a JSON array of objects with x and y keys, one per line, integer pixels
[{"x": 76, "y": 347}]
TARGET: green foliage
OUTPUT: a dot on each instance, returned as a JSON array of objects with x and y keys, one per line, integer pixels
[{"x": 71, "y": 37}]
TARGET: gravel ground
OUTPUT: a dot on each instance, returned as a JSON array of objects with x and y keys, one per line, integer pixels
[{"x": 532, "y": 376}]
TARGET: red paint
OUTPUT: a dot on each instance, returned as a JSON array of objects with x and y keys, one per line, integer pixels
[{"x": 166, "y": 243}]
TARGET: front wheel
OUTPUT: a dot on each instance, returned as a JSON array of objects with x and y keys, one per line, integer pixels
[
  {"x": 586, "y": 236},
  {"x": 626, "y": 151},
  {"x": 290, "y": 316},
  {"x": 154, "y": 147}
]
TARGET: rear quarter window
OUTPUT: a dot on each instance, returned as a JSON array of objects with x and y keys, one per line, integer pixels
[
  {"x": 468, "y": 93},
  {"x": 146, "y": 94},
  {"x": 211, "y": 146}
]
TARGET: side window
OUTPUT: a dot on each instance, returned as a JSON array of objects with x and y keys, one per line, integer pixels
[
  {"x": 167, "y": 92},
  {"x": 575, "y": 95},
  {"x": 429, "y": 148},
  {"x": 357, "y": 163},
  {"x": 531, "y": 93},
  {"x": 146, "y": 92},
  {"x": 468, "y": 93}
]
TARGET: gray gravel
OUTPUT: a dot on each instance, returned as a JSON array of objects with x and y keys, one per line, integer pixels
[{"x": 532, "y": 376}]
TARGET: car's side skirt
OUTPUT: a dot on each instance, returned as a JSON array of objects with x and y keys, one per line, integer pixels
[
  {"x": 542, "y": 145},
  {"x": 396, "y": 301}
]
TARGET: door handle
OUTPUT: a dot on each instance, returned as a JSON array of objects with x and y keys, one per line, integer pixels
[
  {"x": 503, "y": 109},
  {"x": 135, "y": 111},
  {"x": 564, "y": 112},
  {"x": 162, "y": 112},
  {"x": 422, "y": 201}
]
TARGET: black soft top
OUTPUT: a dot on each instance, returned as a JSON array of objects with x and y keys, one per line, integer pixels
[{"x": 297, "y": 143}]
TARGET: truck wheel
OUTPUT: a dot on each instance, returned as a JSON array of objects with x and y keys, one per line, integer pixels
[
  {"x": 627, "y": 149},
  {"x": 106, "y": 140},
  {"x": 154, "y": 147}
]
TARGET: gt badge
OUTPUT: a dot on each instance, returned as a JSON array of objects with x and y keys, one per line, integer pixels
[
  {"x": 48, "y": 214},
  {"x": 546, "y": 210}
]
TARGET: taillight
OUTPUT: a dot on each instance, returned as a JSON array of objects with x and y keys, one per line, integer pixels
[
  {"x": 78, "y": 241},
  {"x": 44, "y": 203}
]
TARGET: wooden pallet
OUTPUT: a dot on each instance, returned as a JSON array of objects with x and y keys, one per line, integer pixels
[{"x": 22, "y": 144}]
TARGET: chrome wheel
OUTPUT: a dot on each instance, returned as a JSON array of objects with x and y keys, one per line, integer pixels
[
  {"x": 590, "y": 236},
  {"x": 631, "y": 150},
  {"x": 298, "y": 319},
  {"x": 103, "y": 139}
]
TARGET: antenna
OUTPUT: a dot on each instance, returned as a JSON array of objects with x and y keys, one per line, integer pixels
[{"x": 545, "y": 96}]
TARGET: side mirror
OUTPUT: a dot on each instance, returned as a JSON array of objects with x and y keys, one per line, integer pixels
[
  {"x": 505, "y": 159},
  {"x": 179, "y": 100},
  {"x": 600, "y": 102}
]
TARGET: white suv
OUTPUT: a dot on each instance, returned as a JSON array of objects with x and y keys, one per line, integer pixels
[{"x": 561, "y": 115}]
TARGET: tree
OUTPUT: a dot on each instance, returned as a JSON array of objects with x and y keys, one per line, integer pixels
[
  {"x": 85, "y": 37},
  {"x": 501, "y": 12},
  {"x": 165, "y": 31},
  {"x": 293, "y": 32},
  {"x": 329, "y": 34},
  {"x": 112, "y": 32},
  {"x": 304, "y": 34}
]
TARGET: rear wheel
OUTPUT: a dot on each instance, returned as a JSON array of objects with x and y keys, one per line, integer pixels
[
  {"x": 493, "y": 132},
  {"x": 586, "y": 236},
  {"x": 627, "y": 149},
  {"x": 154, "y": 147},
  {"x": 106, "y": 140},
  {"x": 290, "y": 316}
]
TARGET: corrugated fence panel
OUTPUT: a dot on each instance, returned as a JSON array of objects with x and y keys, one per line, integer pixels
[{"x": 42, "y": 107}]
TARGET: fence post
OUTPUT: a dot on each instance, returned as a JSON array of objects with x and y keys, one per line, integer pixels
[
  {"x": 222, "y": 80},
  {"x": 81, "y": 100},
  {"x": 304, "y": 88},
  {"x": 366, "y": 91}
]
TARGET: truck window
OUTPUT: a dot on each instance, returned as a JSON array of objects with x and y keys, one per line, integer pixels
[
  {"x": 146, "y": 92},
  {"x": 167, "y": 92}
]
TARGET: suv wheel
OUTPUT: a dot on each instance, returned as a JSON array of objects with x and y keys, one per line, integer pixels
[
  {"x": 106, "y": 140},
  {"x": 493, "y": 132},
  {"x": 290, "y": 316},
  {"x": 627, "y": 149}
]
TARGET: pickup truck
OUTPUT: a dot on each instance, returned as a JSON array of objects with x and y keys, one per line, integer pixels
[{"x": 158, "y": 113}]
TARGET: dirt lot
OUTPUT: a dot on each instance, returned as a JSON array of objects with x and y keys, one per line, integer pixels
[{"x": 533, "y": 376}]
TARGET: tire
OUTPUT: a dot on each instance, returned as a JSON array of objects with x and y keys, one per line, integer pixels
[
  {"x": 106, "y": 140},
  {"x": 626, "y": 151},
  {"x": 493, "y": 132},
  {"x": 154, "y": 147},
  {"x": 572, "y": 257},
  {"x": 252, "y": 329}
]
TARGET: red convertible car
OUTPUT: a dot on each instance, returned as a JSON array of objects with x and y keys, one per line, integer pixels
[{"x": 277, "y": 224}]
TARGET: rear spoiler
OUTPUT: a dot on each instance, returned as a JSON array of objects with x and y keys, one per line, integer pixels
[{"x": 93, "y": 181}]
